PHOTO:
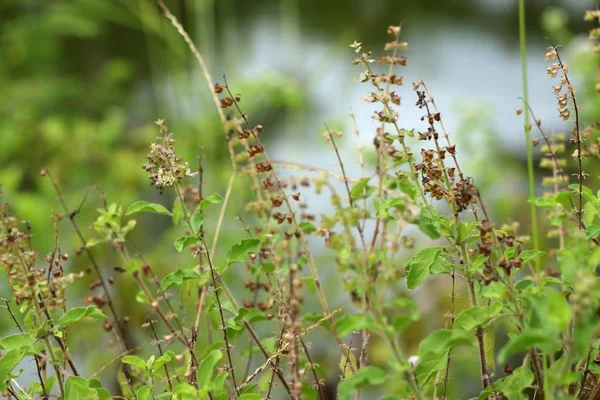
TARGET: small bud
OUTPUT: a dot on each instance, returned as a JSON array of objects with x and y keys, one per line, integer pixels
[{"x": 413, "y": 361}]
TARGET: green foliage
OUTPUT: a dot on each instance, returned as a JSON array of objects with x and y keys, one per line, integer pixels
[
  {"x": 77, "y": 388},
  {"x": 144, "y": 206},
  {"x": 77, "y": 314},
  {"x": 187, "y": 325},
  {"x": 427, "y": 262},
  {"x": 242, "y": 249}
]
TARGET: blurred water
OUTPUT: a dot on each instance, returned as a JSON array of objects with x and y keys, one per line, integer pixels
[{"x": 464, "y": 67}]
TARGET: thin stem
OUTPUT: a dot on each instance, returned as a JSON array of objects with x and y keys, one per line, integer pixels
[
  {"x": 578, "y": 140},
  {"x": 160, "y": 350},
  {"x": 527, "y": 126},
  {"x": 452, "y": 318},
  {"x": 485, "y": 379},
  {"x": 308, "y": 254},
  {"x": 71, "y": 215}
]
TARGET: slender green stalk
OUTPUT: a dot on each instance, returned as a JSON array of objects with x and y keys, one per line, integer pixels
[{"x": 527, "y": 126}]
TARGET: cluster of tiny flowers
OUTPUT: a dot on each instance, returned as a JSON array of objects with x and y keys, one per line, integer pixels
[
  {"x": 163, "y": 165},
  {"x": 552, "y": 71},
  {"x": 387, "y": 115},
  {"x": 28, "y": 282}
]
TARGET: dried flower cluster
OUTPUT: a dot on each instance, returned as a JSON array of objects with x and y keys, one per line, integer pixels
[{"x": 163, "y": 165}]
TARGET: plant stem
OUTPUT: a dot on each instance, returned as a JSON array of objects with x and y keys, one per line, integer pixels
[{"x": 527, "y": 127}]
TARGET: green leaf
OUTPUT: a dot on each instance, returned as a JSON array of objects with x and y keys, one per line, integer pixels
[
  {"x": 548, "y": 202},
  {"x": 311, "y": 285},
  {"x": 442, "y": 340},
  {"x": 426, "y": 262},
  {"x": 177, "y": 211},
  {"x": 162, "y": 360},
  {"x": 135, "y": 361},
  {"x": 102, "y": 393},
  {"x": 206, "y": 370},
  {"x": 476, "y": 316},
  {"x": 235, "y": 324},
  {"x": 529, "y": 255},
  {"x": 241, "y": 250},
  {"x": 144, "y": 206},
  {"x": 214, "y": 198},
  {"x": 586, "y": 191},
  {"x": 348, "y": 323},
  {"x": 196, "y": 220},
  {"x": 186, "y": 391},
  {"x": 361, "y": 189},
  {"x": 307, "y": 227},
  {"x": 592, "y": 231},
  {"x": 150, "y": 362},
  {"x": 184, "y": 241},
  {"x": 409, "y": 188},
  {"x": 529, "y": 338},
  {"x": 366, "y": 376},
  {"x": 78, "y": 313},
  {"x": 410, "y": 312},
  {"x": 17, "y": 341},
  {"x": 427, "y": 225},
  {"x": 510, "y": 252},
  {"x": 144, "y": 392},
  {"x": 78, "y": 388},
  {"x": 397, "y": 203},
  {"x": 478, "y": 262},
  {"x": 219, "y": 384},
  {"x": 265, "y": 267},
  {"x": 429, "y": 364},
  {"x": 558, "y": 314},
  {"x": 512, "y": 386},
  {"x": 177, "y": 277},
  {"x": 568, "y": 262},
  {"x": 7, "y": 363}
]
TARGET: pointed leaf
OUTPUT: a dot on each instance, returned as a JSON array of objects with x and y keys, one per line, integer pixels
[
  {"x": 78, "y": 313},
  {"x": 144, "y": 206},
  {"x": 214, "y": 198}
]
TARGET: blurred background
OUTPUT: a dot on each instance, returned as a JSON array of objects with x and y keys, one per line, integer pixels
[{"x": 81, "y": 82}]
